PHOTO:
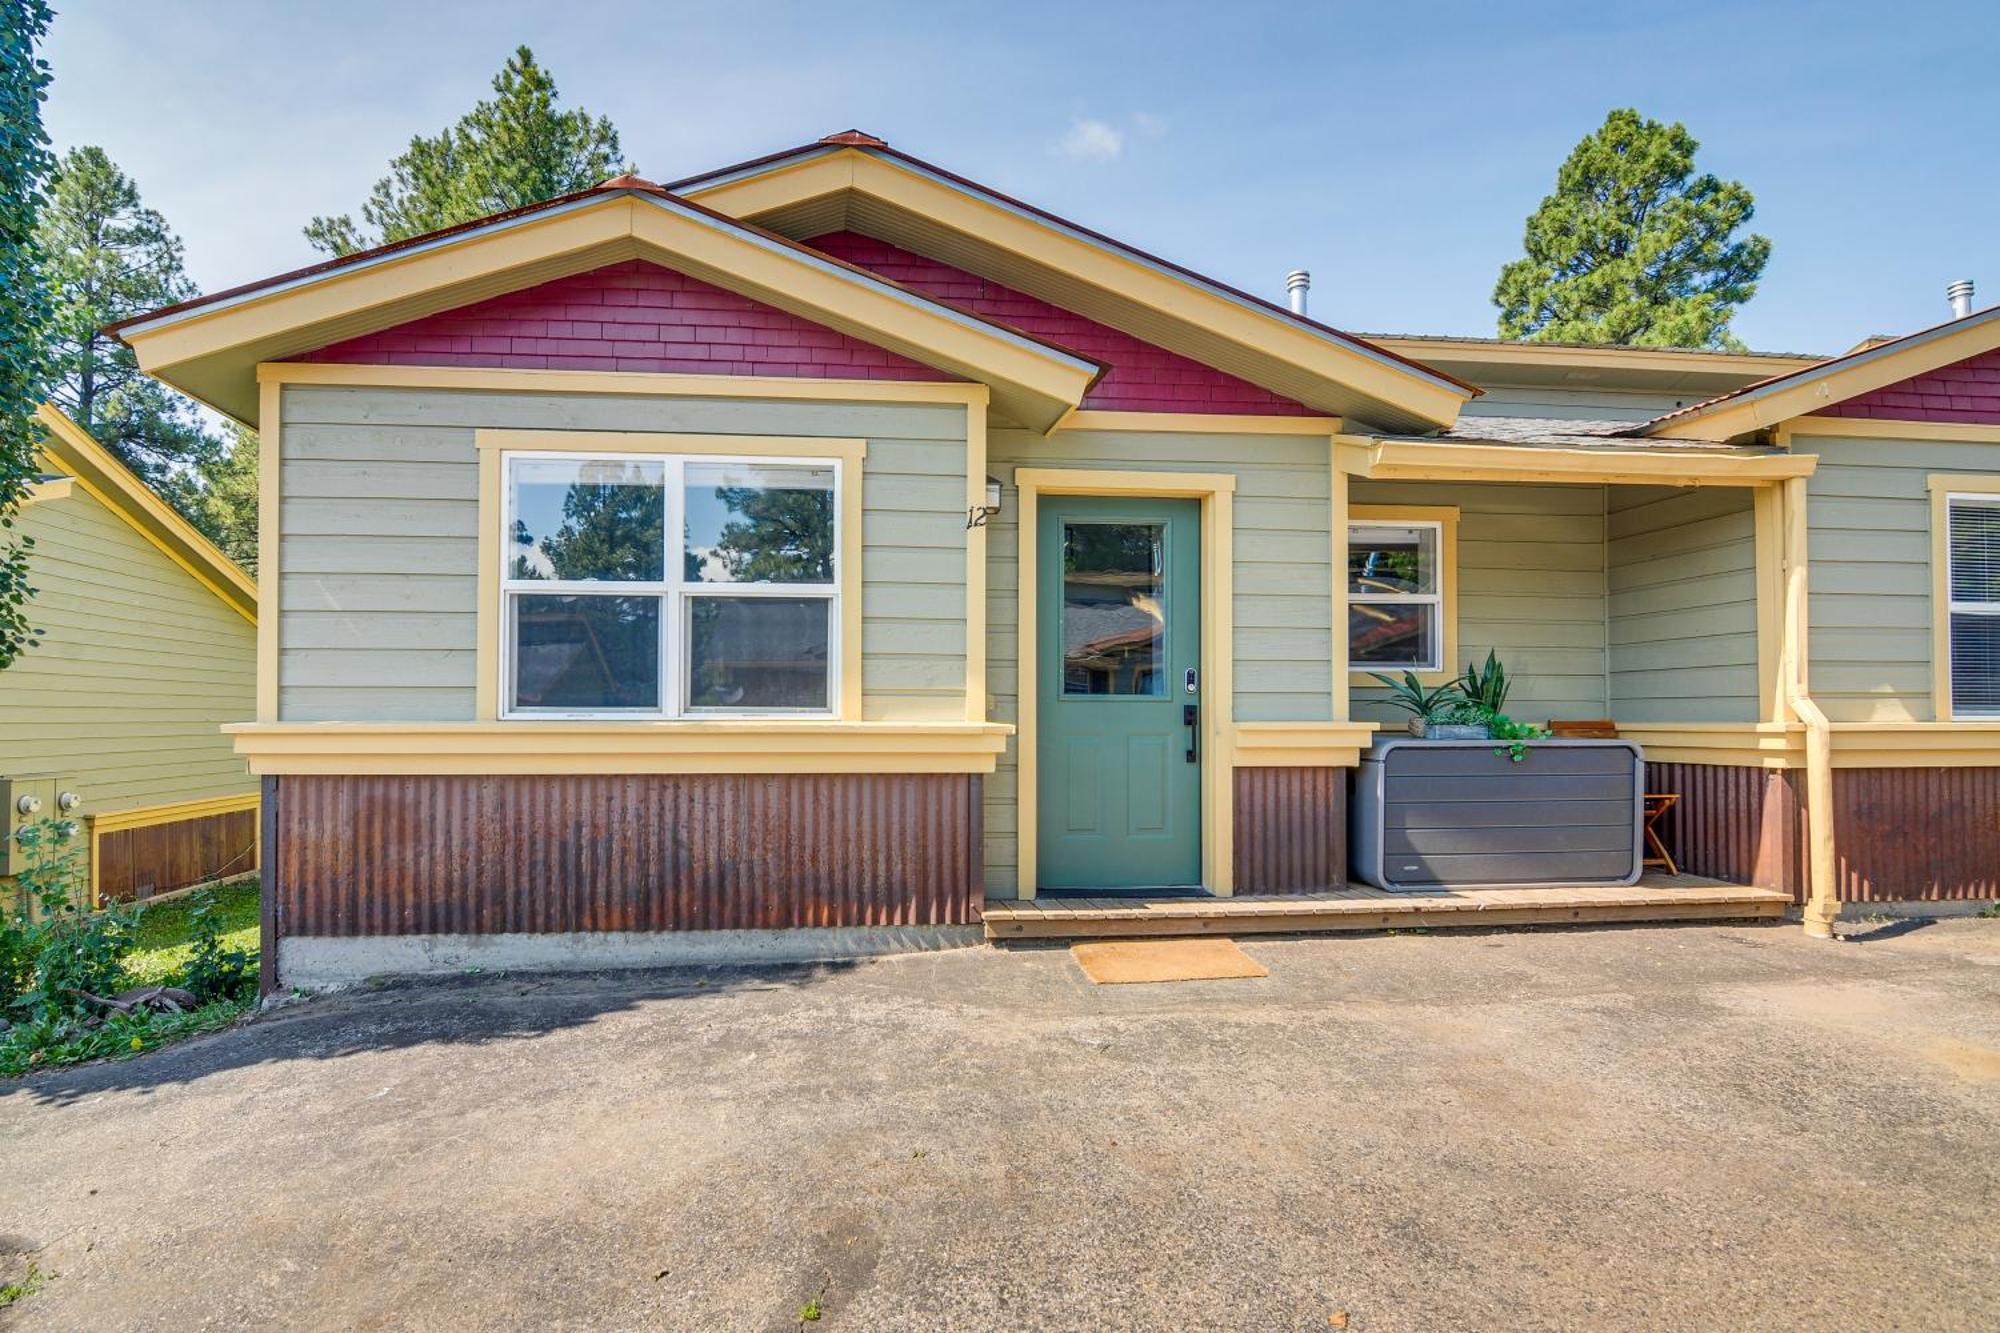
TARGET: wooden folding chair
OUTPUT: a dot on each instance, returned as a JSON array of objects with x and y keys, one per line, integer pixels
[{"x": 1657, "y": 805}]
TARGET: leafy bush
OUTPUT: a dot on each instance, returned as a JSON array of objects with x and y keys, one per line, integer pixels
[
  {"x": 213, "y": 972},
  {"x": 64, "y": 966}
]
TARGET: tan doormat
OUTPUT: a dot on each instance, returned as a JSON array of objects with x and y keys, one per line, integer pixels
[{"x": 1118, "y": 962}]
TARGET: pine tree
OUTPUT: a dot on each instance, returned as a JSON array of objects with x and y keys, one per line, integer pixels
[
  {"x": 219, "y": 496},
  {"x": 110, "y": 257},
  {"x": 25, "y": 162},
  {"x": 514, "y": 150},
  {"x": 1633, "y": 248}
]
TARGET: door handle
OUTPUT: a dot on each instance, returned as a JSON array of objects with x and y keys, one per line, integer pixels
[{"x": 1190, "y": 718}]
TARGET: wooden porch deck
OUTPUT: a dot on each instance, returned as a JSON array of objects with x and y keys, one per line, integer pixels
[{"x": 1656, "y": 897}]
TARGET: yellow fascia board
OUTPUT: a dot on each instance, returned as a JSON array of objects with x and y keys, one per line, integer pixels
[
  {"x": 54, "y": 488},
  {"x": 1960, "y": 744},
  {"x": 1039, "y": 382},
  {"x": 449, "y": 748},
  {"x": 1301, "y": 744},
  {"x": 1868, "y": 428},
  {"x": 642, "y": 383},
  {"x": 390, "y": 283},
  {"x": 112, "y": 484},
  {"x": 1731, "y": 744},
  {"x": 1088, "y": 262},
  {"x": 1053, "y": 382},
  {"x": 149, "y": 816},
  {"x": 1196, "y": 423},
  {"x": 1631, "y": 359},
  {"x": 1862, "y": 372},
  {"x": 1427, "y": 460}
]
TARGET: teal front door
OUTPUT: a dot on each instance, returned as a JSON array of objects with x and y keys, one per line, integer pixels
[{"x": 1118, "y": 640}]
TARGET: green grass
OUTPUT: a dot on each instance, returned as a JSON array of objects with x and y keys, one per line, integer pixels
[
  {"x": 160, "y": 953},
  {"x": 161, "y": 947}
]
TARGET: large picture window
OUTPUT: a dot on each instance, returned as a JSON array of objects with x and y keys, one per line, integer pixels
[
  {"x": 1396, "y": 574},
  {"x": 666, "y": 586},
  {"x": 1973, "y": 584}
]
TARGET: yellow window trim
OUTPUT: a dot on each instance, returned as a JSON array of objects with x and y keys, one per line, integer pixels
[
  {"x": 493, "y": 446},
  {"x": 1446, "y": 517},
  {"x": 1942, "y": 486},
  {"x": 804, "y": 745},
  {"x": 1216, "y": 491}
]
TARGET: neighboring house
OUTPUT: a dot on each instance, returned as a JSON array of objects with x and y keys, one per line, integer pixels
[
  {"x": 830, "y": 541},
  {"x": 148, "y": 646}
]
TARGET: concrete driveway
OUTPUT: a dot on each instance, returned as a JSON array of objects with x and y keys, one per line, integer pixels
[{"x": 1662, "y": 1127}]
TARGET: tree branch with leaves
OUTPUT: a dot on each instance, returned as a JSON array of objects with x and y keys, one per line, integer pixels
[
  {"x": 514, "y": 150},
  {"x": 25, "y": 162},
  {"x": 1634, "y": 248}
]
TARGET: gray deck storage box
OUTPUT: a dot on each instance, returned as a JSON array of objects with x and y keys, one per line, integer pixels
[{"x": 1458, "y": 815}]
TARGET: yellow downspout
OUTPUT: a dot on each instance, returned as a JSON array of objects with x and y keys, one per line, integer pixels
[{"x": 1822, "y": 901}]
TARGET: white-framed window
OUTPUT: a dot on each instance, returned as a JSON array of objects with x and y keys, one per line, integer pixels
[
  {"x": 665, "y": 586},
  {"x": 1972, "y": 580},
  {"x": 1396, "y": 571}
]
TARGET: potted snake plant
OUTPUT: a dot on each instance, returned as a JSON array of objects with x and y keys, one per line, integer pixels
[{"x": 1440, "y": 713}]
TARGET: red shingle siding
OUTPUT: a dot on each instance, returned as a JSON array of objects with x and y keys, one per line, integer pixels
[
  {"x": 632, "y": 316},
  {"x": 1967, "y": 392},
  {"x": 1141, "y": 378}
]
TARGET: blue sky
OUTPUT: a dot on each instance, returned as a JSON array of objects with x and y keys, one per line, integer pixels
[{"x": 1393, "y": 149}]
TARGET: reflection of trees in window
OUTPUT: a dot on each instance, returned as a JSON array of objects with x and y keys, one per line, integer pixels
[
  {"x": 774, "y": 535},
  {"x": 1111, "y": 548},
  {"x": 611, "y": 529},
  {"x": 1113, "y": 617}
]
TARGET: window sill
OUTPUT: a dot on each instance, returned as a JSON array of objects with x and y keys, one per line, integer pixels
[{"x": 734, "y": 745}]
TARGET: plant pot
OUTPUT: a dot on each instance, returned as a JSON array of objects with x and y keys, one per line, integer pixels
[{"x": 1450, "y": 731}]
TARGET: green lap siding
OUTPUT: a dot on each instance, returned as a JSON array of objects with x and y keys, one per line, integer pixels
[
  {"x": 379, "y": 561},
  {"x": 1870, "y": 520},
  {"x": 138, "y": 668},
  {"x": 1682, "y": 604},
  {"x": 1282, "y": 572},
  {"x": 1531, "y": 570}
]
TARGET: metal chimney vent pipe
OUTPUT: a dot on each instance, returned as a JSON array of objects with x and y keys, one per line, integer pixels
[
  {"x": 1297, "y": 283},
  {"x": 1960, "y": 296}
]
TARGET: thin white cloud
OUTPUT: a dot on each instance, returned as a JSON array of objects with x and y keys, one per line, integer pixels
[
  {"x": 1148, "y": 124},
  {"x": 1092, "y": 141}
]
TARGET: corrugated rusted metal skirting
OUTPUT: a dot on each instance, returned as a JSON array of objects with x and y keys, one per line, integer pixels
[
  {"x": 1743, "y": 825},
  {"x": 1291, "y": 830},
  {"x": 493, "y": 855},
  {"x": 1899, "y": 833},
  {"x": 1926, "y": 833}
]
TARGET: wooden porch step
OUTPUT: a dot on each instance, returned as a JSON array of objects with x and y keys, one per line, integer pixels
[{"x": 1654, "y": 898}]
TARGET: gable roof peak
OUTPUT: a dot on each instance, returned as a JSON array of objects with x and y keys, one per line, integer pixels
[
  {"x": 630, "y": 181},
  {"x": 856, "y": 139}
]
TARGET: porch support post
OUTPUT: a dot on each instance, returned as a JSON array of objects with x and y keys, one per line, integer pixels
[
  {"x": 1822, "y": 907},
  {"x": 1337, "y": 524}
]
